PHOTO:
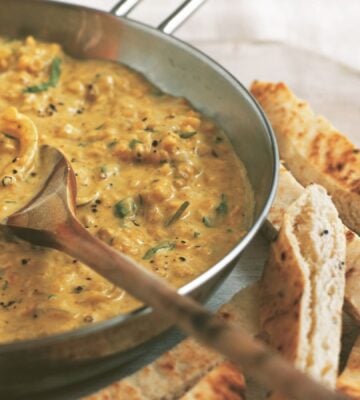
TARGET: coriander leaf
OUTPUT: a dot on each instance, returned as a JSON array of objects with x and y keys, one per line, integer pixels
[
  {"x": 161, "y": 246},
  {"x": 133, "y": 143},
  {"x": 222, "y": 208},
  {"x": 125, "y": 208},
  {"x": 55, "y": 72},
  {"x": 208, "y": 222},
  {"x": 38, "y": 88},
  {"x": 156, "y": 92},
  {"x": 100, "y": 126},
  {"x": 112, "y": 144},
  {"x": 187, "y": 135},
  {"x": 178, "y": 213}
]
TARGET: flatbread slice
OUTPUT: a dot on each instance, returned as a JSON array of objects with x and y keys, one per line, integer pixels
[
  {"x": 290, "y": 190},
  {"x": 175, "y": 372},
  {"x": 312, "y": 149},
  {"x": 224, "y": 382},
  {"x": 349, "y": 381},
  {"x": 302, "y": 288}
]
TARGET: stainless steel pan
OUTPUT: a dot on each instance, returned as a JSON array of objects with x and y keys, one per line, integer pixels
[{"x": 40, "y": 366}]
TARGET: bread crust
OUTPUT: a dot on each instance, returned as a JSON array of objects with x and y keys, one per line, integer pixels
[
  {"x": 302, "y": 287},
  {"x": 288, "y": 191},
  {"x": 349, "y": 380},
  {"x": 313, "y": 150},
  {"x": 224, "y": 382},
  {"x": 178, "y": 370}
]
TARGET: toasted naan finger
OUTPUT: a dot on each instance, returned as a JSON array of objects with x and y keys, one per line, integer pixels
[
  {"x": 302, "y": 288},
  {"x": 312, "y": 149},
  {"x": 175, "y": 372}
]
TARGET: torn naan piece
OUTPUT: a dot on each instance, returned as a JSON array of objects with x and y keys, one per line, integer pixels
[
  {"x": 224, "y": 382},
  {"x": 312, "y": 149},
  {"x": 302, "y": 288},
  {"x": 175, "y": 372},
  {"x": 290, "y": 190}
]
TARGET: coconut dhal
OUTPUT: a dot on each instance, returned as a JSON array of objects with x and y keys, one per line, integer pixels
[{"x": 156, "y": 180}]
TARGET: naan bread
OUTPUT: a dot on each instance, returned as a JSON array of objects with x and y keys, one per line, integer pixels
[
  {"x": 349, "y": 381},
  {"x": 313, "y": 150},
  {"x": 352, "y": 288},
  {"x": 175, "y": 372},
  {"x": 224, "y": 382},
  {"x": 303, "y": 284},
  {"x": 288, "y": 191}
]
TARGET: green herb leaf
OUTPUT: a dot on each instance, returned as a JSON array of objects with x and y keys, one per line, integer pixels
[
  {"x": 219, "y": 139},
  {"x": 112, "y": 144},
  {"x": 187, "y": 135},
  {"x": 133, "y": 143},
  {"x": 196, "y": 234},
  {"x": 125, "y": 208},
  {"x": 55, "y": 72},
  {"x": 161, "y": 246},
  {"x": 51, "y": 296},
  {"x": 156, "y": 92},
  {"x": 100, "y": 126},
  {"x": 103, "y": 169},
  {"x": 222, "y": 208},
  {"x": 208, "y": 222},
  {"x": 5, "y": 285},
  {"x": 178, "y": 213},
  {"x": 37, "y": 88}
]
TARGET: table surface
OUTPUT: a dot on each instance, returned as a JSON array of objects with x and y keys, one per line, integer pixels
[{"x": 313, "y": 51}]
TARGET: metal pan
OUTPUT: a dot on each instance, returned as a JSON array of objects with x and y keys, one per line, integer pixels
[{"x": 29, "y": 368}]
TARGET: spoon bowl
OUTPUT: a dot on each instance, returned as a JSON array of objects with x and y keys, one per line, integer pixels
[{"x": 39, "y": 221}]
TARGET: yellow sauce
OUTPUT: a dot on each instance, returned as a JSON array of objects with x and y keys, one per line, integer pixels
[{"x": 156, "y": 180}]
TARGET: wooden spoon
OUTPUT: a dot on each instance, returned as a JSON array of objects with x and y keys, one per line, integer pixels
[{"x": 49, "y": 220}]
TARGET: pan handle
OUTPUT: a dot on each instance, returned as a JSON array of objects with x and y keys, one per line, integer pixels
[
  {"x": 123, "y": 7},
  {"x": 171, "y": 23},
  {"x": 179, "y": 16}
]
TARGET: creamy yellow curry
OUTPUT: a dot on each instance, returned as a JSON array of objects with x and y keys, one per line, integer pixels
[{"x": 156, "y": 180}]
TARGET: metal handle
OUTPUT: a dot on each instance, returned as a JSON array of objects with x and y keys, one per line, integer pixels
[
  {"x": 123, "y": 7},
  {"x": 171, "y": 23},
  {"x": 179, "y": 16}
]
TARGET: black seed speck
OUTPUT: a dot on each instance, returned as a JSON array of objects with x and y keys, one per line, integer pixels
[{"x": 78, "y": 289}]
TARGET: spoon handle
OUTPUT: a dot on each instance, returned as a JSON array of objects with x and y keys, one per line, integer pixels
[{"x": 238, "y": 346}]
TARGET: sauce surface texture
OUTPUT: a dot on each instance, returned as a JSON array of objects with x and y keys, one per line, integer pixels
[{"x": 156, "y": 180}]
